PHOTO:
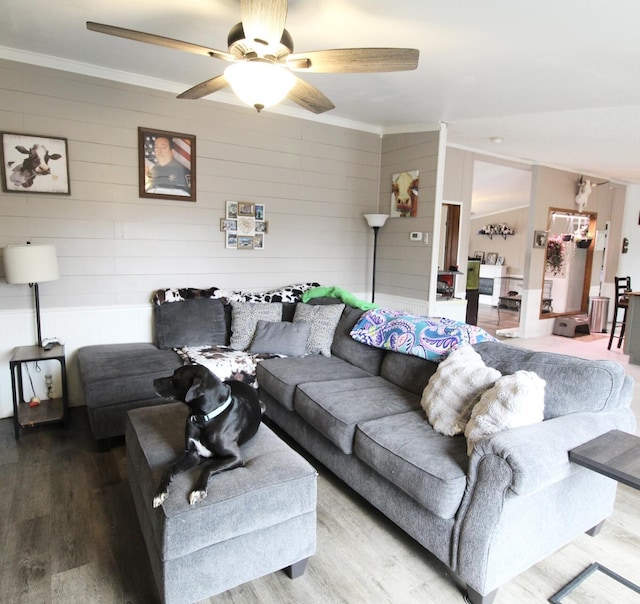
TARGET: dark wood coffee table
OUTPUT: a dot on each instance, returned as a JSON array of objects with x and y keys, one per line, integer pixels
[{"x": 615, "y": 454}]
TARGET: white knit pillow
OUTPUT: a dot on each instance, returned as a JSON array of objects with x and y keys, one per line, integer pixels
[
  {"x": 515, "y": 400},
  {"x": 454, "y": 388}
]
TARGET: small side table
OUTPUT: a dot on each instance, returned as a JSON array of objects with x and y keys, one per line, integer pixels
[
  {"x": 49, "y": 411},
  {"x": 615, "y": 454},
  {"x": 510, "y": 303}
]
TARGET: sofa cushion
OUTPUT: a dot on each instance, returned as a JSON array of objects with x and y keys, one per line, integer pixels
[
  {"x": 345, "y": 347},
  {"x": 334, "y": 408},
  {"x": 118, "y": 373},
  {"x": 429, "y": 467},
  {"x": 245, "y": 317},
  {"x": 192, "y": 322},
  {"x": 408, "y": 372},
  {"x": 323, "y": 320},
  {"x": 280, "y": 337},
  {"x": 280, "y": 377},
  {"x": 574, "y": 385}
]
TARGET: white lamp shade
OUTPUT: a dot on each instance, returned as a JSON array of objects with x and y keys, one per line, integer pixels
[
  {"x": 30, "y": 263},
  {"x": 259, "y": 83},
  {"x": 376, "y": 220}
]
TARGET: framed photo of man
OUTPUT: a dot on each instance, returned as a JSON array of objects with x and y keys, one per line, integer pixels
[{"x": 166, "y": 165}]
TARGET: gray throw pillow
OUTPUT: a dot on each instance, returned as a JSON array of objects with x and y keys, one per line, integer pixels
[
  {"x": 280, "y": 338},
  {"x": 193, "y": 322},
  {"x": 323, "y": 321},
  {"x": 245, "y": 317}
]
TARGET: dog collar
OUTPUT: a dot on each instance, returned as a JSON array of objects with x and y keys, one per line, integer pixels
[{"x": 209, "y": 416}]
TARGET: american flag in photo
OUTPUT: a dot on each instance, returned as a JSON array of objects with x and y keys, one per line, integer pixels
[{"x": 181, "y": 146}]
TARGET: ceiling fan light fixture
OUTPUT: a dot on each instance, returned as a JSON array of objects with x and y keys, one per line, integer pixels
[{"x": 259, "y": 82}]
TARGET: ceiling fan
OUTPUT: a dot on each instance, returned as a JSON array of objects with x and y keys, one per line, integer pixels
[{"x": 262, "y": 59}]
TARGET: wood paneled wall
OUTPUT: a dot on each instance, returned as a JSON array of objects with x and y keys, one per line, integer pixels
[
  {"x": 404, "y": 266},
  {"x": 115, "y": 248},
  {"x": 315, "y": 180}
]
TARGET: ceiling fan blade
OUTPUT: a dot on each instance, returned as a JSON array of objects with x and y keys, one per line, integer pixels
[
  {"x": 355, "y": 60},
  {"x": 263, "y": 20},
  {"x": 309, "y": 97},
  {"x": 205, "y": 88},
  {"x": 140, "y": 36}
]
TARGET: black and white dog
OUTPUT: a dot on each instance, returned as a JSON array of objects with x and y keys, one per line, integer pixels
[{"x": 223, "y": 416}]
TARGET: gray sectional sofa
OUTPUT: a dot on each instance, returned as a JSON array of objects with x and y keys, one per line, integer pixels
[{"x": 488, "y": 516}]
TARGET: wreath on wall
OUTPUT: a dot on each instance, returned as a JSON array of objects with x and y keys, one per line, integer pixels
[{"x": 555, "y": 255}]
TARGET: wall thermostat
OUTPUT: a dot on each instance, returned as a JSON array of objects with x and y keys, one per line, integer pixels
[{"x": 415, "y": 236}]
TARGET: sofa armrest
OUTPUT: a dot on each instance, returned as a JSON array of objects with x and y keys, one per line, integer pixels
[
  {"x": 538, "y": 455},
  {"x": 521, "y": 488}
]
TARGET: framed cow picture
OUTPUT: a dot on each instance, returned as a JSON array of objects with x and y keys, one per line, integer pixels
[
  {"x": 404, "y": 194},
  {"x": 166, "y": 165},
  {"x": 34, "y": 164}
]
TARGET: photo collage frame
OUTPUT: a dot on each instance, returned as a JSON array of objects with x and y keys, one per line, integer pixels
[{"x": 244, "y": 225}]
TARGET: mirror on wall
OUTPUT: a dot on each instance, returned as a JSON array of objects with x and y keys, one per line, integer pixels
[{"x": 567, "y": 268}]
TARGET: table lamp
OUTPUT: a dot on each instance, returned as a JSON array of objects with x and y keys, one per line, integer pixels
[{"x": 30, "y": 264}]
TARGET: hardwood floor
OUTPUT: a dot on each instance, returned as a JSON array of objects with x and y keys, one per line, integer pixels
[
  {"x": 489, "y": 320},
  {"x": 70, "y": 534}
]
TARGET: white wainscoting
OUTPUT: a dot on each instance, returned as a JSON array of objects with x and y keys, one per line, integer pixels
[
  {"x": 84, "y": 326},
  {"x": 76, "y": 327}
]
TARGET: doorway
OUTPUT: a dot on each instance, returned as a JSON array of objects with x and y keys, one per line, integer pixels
[
  {"x": 500, "y": 197},
  {"x": 451, "y": 239}
]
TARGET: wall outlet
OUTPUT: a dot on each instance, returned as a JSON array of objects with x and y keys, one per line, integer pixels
[
  {"x": 415, "y": 236},
  {"x": 425, "y": 238}
]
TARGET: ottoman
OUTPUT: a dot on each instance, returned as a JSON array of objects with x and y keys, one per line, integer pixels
[
  {"x": 119, "y": 377},
  {"x": 255, "y": 520}
]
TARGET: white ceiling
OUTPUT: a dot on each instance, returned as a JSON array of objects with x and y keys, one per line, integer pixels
[
  {"x": 559, "y": 81},
  {"x": 499, "y": 188}
]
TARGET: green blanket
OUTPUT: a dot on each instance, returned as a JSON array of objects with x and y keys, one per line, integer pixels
[{"x": 337, "y": 292}]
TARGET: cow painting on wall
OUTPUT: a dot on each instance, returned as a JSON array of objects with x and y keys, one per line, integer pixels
[
  {"x": 34, "y": 164},
  {"x": 404, "y": 194}
]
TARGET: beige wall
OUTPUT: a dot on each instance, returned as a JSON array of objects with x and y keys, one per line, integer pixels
[
  {"x": 115, "y": 248},
  {"x": 557, "y": 188},
  {"x": 550, "y": 188},
  {"x": 404, "y": 266},
  {"x": 511, "y": 248}
]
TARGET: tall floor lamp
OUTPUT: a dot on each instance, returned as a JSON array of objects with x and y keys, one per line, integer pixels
[
  {"x": 375, "y": 221},
  {"x": 31, "y": 264}
]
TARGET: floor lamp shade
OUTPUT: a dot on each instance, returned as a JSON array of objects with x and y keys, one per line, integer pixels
[
  {"x": 30, "y": 263},
  {"x": 376, "y": 220}
]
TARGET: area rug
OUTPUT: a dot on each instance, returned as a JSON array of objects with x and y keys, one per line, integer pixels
[{"x": 592, "y": 337}]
